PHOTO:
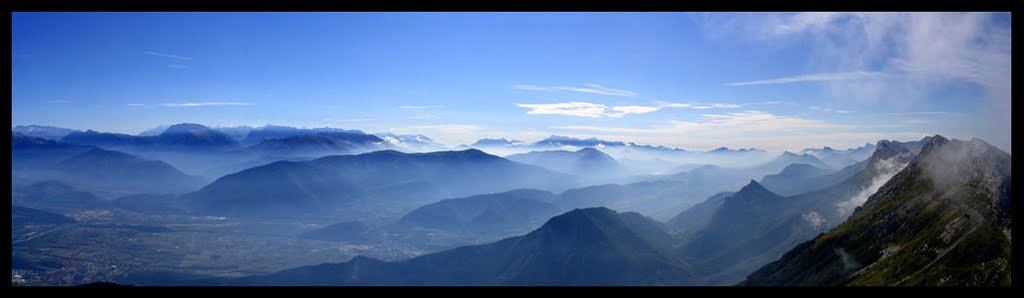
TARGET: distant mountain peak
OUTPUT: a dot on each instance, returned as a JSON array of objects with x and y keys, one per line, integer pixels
[
  {"x": 752, "y": 187},
  {"x": 185, "y": 127},
  {"x": 191, "y": 134},
  {"x": 570, "y": 141},
  {"x": 496, "y": 142},
  {"x": 579, "y": 218}
]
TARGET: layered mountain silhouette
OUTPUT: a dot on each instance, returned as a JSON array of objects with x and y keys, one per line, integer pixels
[
  {"x": 841, "y": 158},
  {"x": 317, "y": 144},
  {"x": 178, "y": 137},
  {"x": 496, "y": 142},
  {"x": 588, "y": 162},
  {"x": 33, "y": 154},
  {"x": 943, "y": 220},
  {"x": 384, "y": 177},
  {"x": 794, "y": 179},
  {"x": 476, "y": 219},
  {"x": 270, "y": 132},
  {"x": 416, "y": 143},
  {"x": 194, "y": 136},
  {"x": 788, "y": 158},
  {"x": 112, "y": 170},
  {"x": 594, "y": 246},
  {"x": 54, "y": 195},
  {"x": 755, "y": 226},
  {"x": 35, "y": 159},
  {"x": 43, "y": 131},
  {"x": 561, "y": 141}
]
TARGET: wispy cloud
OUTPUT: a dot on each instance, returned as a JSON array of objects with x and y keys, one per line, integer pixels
[
  {"x": 594, "y": 110},
  {"x": 835, "y": 76},
  {"x": 202, "y": 104},
  {"x": 579, "y": 109},
  {"x": 830, "y": 110},
  {"x": 423, "y": 116},
  {"x": 165, "y": 55},
  {"x": 349, "y": 120},
  {"x": 620, "y": 111},
  {"x": 136, "y": 105},
  {"x": 588, "y": 88},
  {"x": 421, "y": 107}
]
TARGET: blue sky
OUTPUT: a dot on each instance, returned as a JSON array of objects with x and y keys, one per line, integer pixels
[{"x": 690, "y": 80}]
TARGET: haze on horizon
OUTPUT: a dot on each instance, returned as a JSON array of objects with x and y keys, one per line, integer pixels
[{"x": 774, "y": 81}]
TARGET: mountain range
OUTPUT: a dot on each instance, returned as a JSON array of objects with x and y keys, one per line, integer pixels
[
  {"x": 387, "y": 178},
  {"x": 942, "y": 220},
  {"x": 587, "y": 162},
  {"x": 43, "y": 132},
  {"x": 755, "y": 226},
  {"x": 35, "y": 160}
]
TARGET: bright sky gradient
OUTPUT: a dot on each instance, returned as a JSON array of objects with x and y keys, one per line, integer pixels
[{"x": 694, "y": 81}]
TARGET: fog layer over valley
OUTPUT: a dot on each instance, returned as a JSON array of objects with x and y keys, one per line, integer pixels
[{"x": 189, "y": 204}]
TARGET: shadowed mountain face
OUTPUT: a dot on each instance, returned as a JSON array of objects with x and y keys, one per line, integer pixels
[
  {"x": 755, "y": 226},
  {"x": 194, "y": 136},
  {"x": 112, "y": 170},
  {"x": 942, "y": 220},
  {"x": 594, "y": 246},
  {"x": 484, "y": 213},
  {"x": 588, "y": 162},
  {"x": 54, "y": 195},
  {"x": 737, "y": 218},
  {"x": 24, "y": 216},
  {"x": 476, "y": 219},
  {"x": 317, "y": 144},
  {"x": 270, "y": 132},
  {"x": 35, "y": 159},
  {"x": 384, "y": 178},
  {"x": 698, "y": 216}
]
